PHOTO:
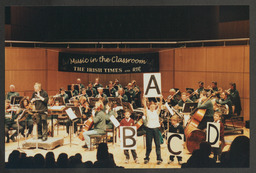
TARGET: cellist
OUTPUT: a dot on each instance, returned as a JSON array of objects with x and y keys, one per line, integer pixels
[{"x": 205, "y": 103}]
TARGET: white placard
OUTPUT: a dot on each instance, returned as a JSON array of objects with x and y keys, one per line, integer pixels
[
  {"x": 213, "y": 134},
  {"x": 128, "y": 136},
  {"x": 175, "y": 143},
  {"x": 71, "y": 114},
  {"x": 152, "y": 84},
  {"x": 114, "y": 121}
]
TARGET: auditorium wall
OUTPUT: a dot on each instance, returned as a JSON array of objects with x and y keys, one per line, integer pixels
[{"x": 180, "y": 68}]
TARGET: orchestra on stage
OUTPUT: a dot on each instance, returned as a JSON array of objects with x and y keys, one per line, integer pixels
[{"x": 94, "y": 106}]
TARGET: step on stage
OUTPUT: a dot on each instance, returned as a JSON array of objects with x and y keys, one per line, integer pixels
[{"x": 49, "y": 144}]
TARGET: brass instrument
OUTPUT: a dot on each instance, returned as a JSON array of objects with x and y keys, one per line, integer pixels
[{"x": 170, "y": 97}]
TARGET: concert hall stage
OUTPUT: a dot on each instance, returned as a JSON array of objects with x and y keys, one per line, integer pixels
[{"x": 119, "y": 157}]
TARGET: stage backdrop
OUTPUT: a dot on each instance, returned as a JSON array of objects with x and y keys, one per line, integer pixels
[{"x": 104, "y": 63}]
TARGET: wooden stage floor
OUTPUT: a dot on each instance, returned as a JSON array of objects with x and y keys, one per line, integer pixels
[{"x": 115, "y": 149}]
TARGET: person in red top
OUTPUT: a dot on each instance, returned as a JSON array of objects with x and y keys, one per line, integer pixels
[
  {"x": 217, "y": 151},
  {"x": 127, "y": 121}
]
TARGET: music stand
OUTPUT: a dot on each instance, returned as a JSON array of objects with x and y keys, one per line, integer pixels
[
  {"x": 106, "y": 91},
  {"x": 89, "y": 93},
  {"x": 69, "y": 87},
  {"x": 115, "y": 100},
  {"x": 92, "y": 101},
  {"x": 60, "y": 99},
  {"x": 15, "y": 100},
  {"x": 189, "y": 107},
  {"x": 74, "y": 113},
  {"x": 127, "y": 105},
  {"x": 116, "y": 87}
]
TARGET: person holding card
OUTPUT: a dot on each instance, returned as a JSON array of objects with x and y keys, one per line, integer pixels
[
  {"x": 151, "y": 119},
  {"x": 175, "y": 127},
  {"x": 217, "y": 151},
  {"x": 127, "y": 121}
]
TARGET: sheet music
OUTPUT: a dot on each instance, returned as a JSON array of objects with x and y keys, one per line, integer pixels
[
  {"x": 71, "y": 114},
  {"x": 114, "y": 121},
  {"x": 118, "y": 108},
  {"x": 58, "y": 108},
  {"x": 169, "y": 109}
]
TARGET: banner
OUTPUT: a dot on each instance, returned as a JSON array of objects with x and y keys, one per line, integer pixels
[{"x": 104, "y": 63}]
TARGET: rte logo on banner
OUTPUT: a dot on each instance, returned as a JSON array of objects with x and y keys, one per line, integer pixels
[{"x": 152, "y": 84}]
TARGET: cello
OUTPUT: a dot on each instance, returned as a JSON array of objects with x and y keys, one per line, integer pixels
[
  {"x": 87, "y": 126},
  {"x": 195, "y": 136}
]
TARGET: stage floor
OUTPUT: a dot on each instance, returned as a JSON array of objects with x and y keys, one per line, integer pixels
[{"x": 115, "y": 149}]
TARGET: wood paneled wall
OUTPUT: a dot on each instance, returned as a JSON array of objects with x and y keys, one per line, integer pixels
[{"x": 180, "y": 68}]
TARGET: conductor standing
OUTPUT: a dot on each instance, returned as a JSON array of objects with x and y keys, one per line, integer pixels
[{"x": 40, "y": 99}]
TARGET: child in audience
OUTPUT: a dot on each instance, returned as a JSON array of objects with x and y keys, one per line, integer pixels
[{"x": 127, "y": 121}]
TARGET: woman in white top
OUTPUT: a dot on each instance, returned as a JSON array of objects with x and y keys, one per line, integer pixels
[{"x": 151, "y": 119}]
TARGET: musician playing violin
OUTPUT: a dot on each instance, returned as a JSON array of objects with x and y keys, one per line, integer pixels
[
  {"x": 10, "y": 116},
  {"x": 191, "y": 96},
  {"x": 28, "y": 123},
  {"x": 203, "y": 104},
  {"x": 85, "y": 108},
  {"x": 99, "y": 123},
  {"x": 101, "y": 94}
]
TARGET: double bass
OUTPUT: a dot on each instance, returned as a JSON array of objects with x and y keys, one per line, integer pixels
[{"x": 195, "y": 136}]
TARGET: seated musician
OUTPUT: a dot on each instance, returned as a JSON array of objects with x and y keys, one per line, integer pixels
[
  {"x": 78, "y": 81},
  {"x": 172, "y": 98},
  {"x": 101, "y": 95},
  {"x": 225, "y": 100},
  {"x": 28, "y": 123},
  {"x": 10, "y": 123},
  {"x": 121, "y": 94},
  {"x": 116, "y": 83},
  {"x": 214, "y": 86},
  {"x": 112, "y": 90},
  {"x": 199, "y": 90},
  {"x": 92, "y": 89},
  {"x": 85, "y": 108},
  {"x": 97, "y": 83},
  {"x": 64, "y": 95},
  {"x": 136, "y": 89},
  {"x": 99, "y": 123},
  {"x": 235, "y": 98},
  {"x": 73, "y": 91},
  {"x": 184, "y": 99},
  {"x": 11, "y": 93},
  {"x": 191, "y": 95},
  {"x": 205, "y": 104},
  {"x": 131, "y": 92},
  {"x": 69, "y": 122},
  {"x": 84, "y": 94}
]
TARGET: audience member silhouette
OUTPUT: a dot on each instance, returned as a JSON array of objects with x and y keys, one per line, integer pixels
[
  {"x": 50, "y": 160},
  {"x": 62, "y": 161},
  {"x": 200, "y": 158},
  {"x": 238, "y": 154},
  {"x": 104, "y": 159},
  {"x": 39, "y": 161}
]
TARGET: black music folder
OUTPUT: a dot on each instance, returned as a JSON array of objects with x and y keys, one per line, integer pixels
[
  {"x": 115, "y": 100},
  {"x": 69, "y": 94},
  {"x": 89, "y": 93},
  {"x": 15, "y": 100},
  {"x": 189, "y": 107}
]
